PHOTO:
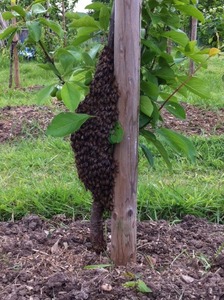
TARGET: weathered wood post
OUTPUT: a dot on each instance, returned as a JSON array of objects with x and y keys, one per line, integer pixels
[
  {"x": 127, "y": 67},
  {"x": 194, "y": 27},
  {"x": 14, "y": 57}
]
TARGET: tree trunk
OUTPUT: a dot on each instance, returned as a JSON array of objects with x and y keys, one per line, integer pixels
[
  {"x": 64, "y": 23},
  {"x": 4, "y": 26},
  {"x": 169, "y": 46},
  {"x": 11, "y": 65},
  {"x": 16, "y": 65},
  {"x": 194, "y": 25},
  {"x": 14, "y": 57},
  {"x": 127, "y": 68}
]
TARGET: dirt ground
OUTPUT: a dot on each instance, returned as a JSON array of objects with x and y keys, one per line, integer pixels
[
  {"x": 42, "y": 259},
  {"x": 20, "y": 121},
  {"x": 46, "y": 259}
]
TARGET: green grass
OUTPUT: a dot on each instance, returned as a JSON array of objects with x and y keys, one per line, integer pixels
[
  {"x": 189, "y": 189},
  {"x": 38, "y": 175},
  {"x": 30, "y": 75}
]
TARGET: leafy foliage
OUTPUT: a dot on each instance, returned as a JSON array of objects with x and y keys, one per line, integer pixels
[{"x": 211, "y": 32}]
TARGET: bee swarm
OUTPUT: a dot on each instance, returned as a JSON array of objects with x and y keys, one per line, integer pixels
[{"x": 93, "y": 152}]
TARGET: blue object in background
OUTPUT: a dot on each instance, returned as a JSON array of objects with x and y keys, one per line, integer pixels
[{"x": 27, "y": 53}]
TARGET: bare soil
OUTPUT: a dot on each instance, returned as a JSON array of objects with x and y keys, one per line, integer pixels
[
  {"x": 41, "y": 259},
  {"x": 46, "y": 259},
  {"x": 20, "y": 121}
]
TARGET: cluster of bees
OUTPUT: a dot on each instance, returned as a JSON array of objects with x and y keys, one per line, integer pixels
[{"x": 93, "y": 152}]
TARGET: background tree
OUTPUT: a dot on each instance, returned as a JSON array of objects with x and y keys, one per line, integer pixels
[
  {"x": 211, "y": 32},
  {"x": 193, "y": 35},
  {"x": 14, "y": 57}
]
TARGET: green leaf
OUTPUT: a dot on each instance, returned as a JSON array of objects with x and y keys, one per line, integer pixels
[
  {"x": 117, "y": 134},
  {"x": 86, "y": 31},
  {"x": 192, "y": 11},
  {"x": 176, "y": 109},
  {"x": 66, "y": 59},
  {"x": 95, "y": 6},
  {"x": 150, "y": 137},
  {"x": 129, "y": 284},
  {"x": 88, "y": 78},
  {"x": 178, "y": 142},
  {"x": 100, "y": 266},
  {"x": 70, "y": 95},
  {"x": 142, "y": 287},
  {"x": 7, "y": 15},
  {"x": 11, "y": 30},
  {"x": 34, "y": 28},
  {"x": 196, "y": 86},
  {"x": 178, "y": 36},
  {"x": 170, "y": 19},
  {"x": 54, "y": 26},
  {"x": 165, "y": 73},
  {"x": 79, "y": 75},
  {"x": 164, "y": 96},
  {"x": 94, "y": 50},
  {"x": 86, "y": 21},
  {"x": 81, "y": 39},
  {"x": 87, "y": 59},
  {"x": 152, "y": 46},
  {"x": 74, "y": 15},
  {"x": 146, "y": 106},
  {"x": 104, "y": 18},
  {"x": 143, "y": 120},
  {"x": 190, "y": 47},
  {"x": 49, "y": 67},
  {"x": 44, "y": 94},
  {"x": 38, "y": 1},
  {"x": 150, "y": 89},
  {"x": 66, "y": 123},
  {"x": 148, "y": 154},
  {"x": 19, "y": 10},
  {"x": 37, "y": 9}
]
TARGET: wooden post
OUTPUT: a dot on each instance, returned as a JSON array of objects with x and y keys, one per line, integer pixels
[
  {"x": 14, "y": 59},
  {"x": 127, "y": 72},
  {"x": 194, "y": 27}
]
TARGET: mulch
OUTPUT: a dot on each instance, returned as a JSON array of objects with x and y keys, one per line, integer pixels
[
  {"x": 46, "y": 259},
  {"x": 21, "y": 121}
]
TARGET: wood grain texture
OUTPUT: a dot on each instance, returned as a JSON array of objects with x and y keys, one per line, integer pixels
[{"x": 127, "y": 68}]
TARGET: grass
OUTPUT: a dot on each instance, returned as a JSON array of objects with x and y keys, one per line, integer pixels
[
  {"x": 30, "y": 75},
  {"x": 38, "y": 175},
  {"x": 45, "y": 182},
  {"x": 190, "y": 189}
]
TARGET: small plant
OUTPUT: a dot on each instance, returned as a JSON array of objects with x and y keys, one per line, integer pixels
[
  {"x": 219, "y": 250},
  {"x": 100, "y": 266},
  {"x": 139, "y": 285}
]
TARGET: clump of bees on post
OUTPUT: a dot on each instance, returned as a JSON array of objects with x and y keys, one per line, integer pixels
[{"x": 93, "y": 151}]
